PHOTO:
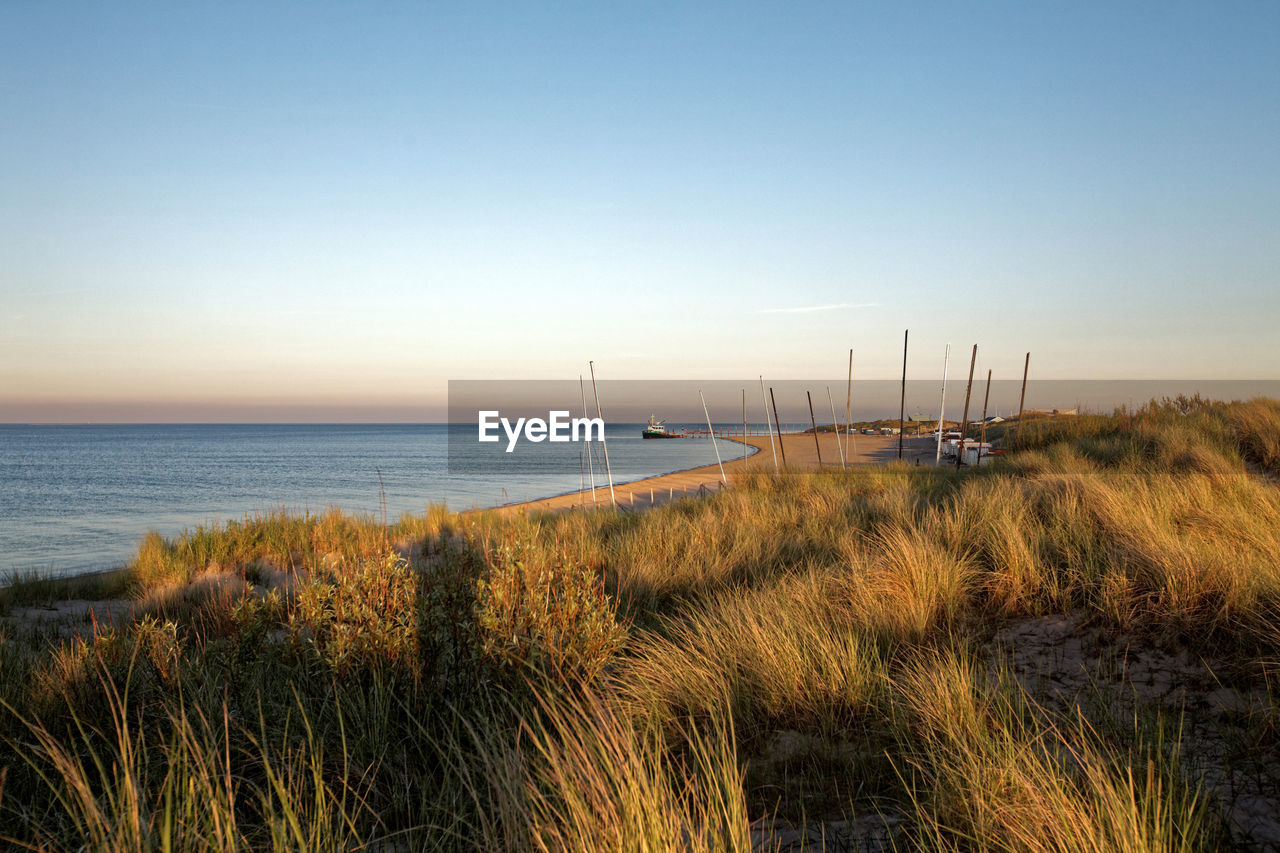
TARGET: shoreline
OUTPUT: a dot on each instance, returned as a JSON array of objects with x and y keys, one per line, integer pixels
[
  {"x": 601, "y": 486},
  {"x": 801, "y": 455}
]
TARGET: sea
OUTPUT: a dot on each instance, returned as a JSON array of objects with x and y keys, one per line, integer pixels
[{"x": 75, "y": 499}]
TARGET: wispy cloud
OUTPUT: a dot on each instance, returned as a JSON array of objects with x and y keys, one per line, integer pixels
[{"x": 809, "y": 309}]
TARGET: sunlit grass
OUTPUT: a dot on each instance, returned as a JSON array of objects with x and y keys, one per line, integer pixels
[
  {"x": 605, "y": 681},
  {"x": 989, "y": 770}
]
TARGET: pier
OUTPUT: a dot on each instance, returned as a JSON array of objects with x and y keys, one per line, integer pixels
[{"x": 734, "y": 433}]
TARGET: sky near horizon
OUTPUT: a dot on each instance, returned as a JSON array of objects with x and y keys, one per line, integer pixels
[{"x": 324, "y": 211}]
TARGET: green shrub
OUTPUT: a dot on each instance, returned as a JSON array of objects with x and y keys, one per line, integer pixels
[{"x": 553, "y": 618}]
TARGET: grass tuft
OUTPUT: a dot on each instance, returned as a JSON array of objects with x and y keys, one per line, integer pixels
[{"x": 805, "y": 655}]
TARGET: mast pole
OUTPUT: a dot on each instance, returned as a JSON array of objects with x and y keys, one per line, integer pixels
[
  {"x": 848, "y": 404},
  {"x": 902, "y": 411},
  {"x": 590, "y": 464},
  {"x": 604, "y": 443},
  {"x": 835, "y": 426},
  {"x": 1022, "y": 401},
  {"x": 814, "y": 422},
  {"x": 781, "y": 446},
  {"x": 964, "y": 423},
  {"x": 723, "y": 479},
  {"x": 946, "y": 362},
  {"x": 982, "y": 436},
  {"x": 768, "y": 425}
]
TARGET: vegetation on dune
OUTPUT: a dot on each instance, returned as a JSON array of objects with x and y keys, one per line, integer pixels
[{"x": 804, "y": 655}]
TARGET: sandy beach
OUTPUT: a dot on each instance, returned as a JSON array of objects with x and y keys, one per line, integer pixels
[{"x": 799, "y": 448}]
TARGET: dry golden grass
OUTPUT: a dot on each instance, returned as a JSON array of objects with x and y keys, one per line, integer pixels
[
  {"x": 579, "y": 775},
  {"x": 788, "y": 655},
  {"x": 990, "y": 771},
  {"x": 606, "y": 681}
]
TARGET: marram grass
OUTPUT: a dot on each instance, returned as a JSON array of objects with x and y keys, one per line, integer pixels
[{"x": 805, "y": 650}]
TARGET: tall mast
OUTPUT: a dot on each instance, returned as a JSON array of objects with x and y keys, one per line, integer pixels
[{"x": 604, "y": 443}]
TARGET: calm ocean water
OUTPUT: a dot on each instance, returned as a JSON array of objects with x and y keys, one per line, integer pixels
[{"x": 78, "y": 498}]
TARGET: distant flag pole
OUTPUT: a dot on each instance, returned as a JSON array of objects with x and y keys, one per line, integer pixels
[{"x": 603, "y": 441}]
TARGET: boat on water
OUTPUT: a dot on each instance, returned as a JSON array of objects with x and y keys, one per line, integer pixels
[{"x": 658, "y": 429}]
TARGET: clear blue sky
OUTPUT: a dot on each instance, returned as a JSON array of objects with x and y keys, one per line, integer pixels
[{"x": 324, "y": 210}]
